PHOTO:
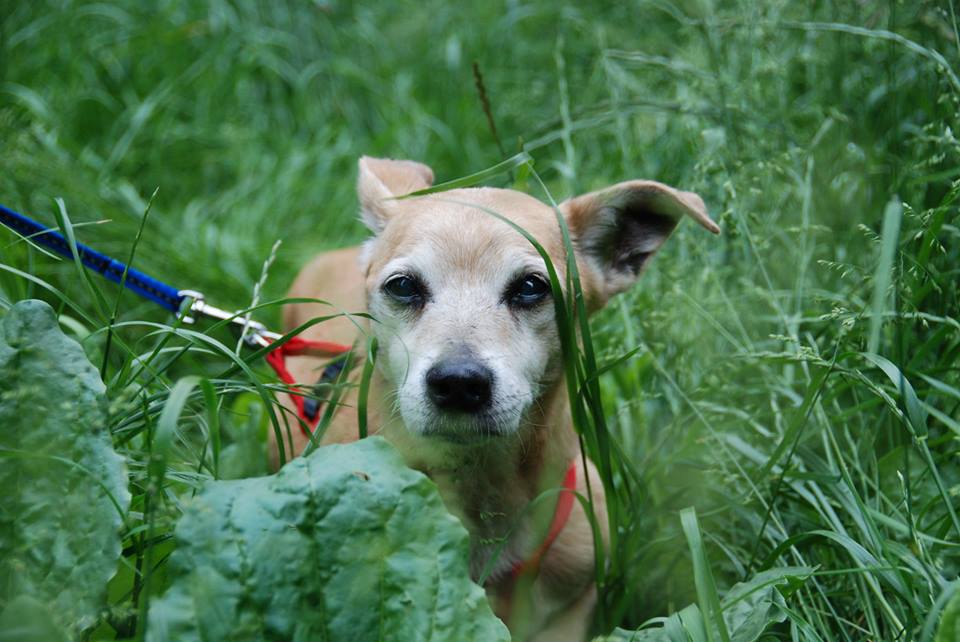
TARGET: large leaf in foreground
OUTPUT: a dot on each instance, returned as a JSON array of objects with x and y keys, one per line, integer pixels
[
  {"x": 345, "y": 544},
  {"x": 65, "y": 489},
  {"x": 749, "y": 609}
]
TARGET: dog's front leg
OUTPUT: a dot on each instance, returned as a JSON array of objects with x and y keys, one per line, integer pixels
[{"x": 571, "y": 624}]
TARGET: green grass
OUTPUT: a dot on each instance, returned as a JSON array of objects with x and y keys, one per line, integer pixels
[{"x": 796, "y": 380}]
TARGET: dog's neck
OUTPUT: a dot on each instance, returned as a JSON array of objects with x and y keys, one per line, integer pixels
[{"x": 490, "y": 485}]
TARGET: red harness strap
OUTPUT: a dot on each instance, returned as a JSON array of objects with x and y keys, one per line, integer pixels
[
  {"x": 560, "y": 516},
  {"x": 295, "y": 346}
]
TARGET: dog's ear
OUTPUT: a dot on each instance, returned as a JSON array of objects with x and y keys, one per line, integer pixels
[
  {"x": 619, "y": 229},
  {"x": 379, "y": 180}
]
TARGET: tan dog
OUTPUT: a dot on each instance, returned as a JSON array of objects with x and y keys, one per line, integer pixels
[{"x": 468, "y": 385}]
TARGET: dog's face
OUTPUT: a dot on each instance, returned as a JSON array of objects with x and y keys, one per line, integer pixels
[{"x": 464, "y": 310}]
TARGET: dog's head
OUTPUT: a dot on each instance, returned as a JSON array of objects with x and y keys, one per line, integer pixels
[{"x": 466, "y": 325}]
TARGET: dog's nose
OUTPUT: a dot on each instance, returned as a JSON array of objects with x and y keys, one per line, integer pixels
[{"x": 460, "y": 384}]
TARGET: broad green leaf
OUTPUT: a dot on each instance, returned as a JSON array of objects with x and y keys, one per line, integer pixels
[
  {"x": 344, "y": 544},
  {"x": 65, "y": 489},
  {"x": 750, "y": 607},
  {"x": 643, "y": 635},
  {"x": 787, "y": 579},
  {"x": 690, "y": 622}
]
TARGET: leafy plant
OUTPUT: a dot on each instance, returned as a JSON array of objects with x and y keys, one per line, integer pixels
[
  {"x": 345, "y": 543},
  {"x": 65, "y": 488}
]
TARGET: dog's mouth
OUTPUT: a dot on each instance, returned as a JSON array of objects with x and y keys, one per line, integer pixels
[
  {"x": 453, "y": 427},
  {"x": 464, "y": 429}
]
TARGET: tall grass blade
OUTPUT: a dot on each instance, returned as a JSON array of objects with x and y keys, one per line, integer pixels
[
  {"x": 707, "y": 596},
  {"x": 884, "y": 273}
]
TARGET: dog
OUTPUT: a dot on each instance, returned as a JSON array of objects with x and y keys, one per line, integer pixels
[{"x": 468, "y": 384}]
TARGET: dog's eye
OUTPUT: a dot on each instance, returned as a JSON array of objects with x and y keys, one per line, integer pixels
[
  {"x": 528, "y": 290},
  {"x": 404, "y": 289}
]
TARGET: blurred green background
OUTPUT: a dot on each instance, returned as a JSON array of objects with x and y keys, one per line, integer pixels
[{"x": 798, "y": 122}]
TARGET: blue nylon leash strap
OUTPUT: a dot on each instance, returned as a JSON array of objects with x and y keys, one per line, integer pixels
[
  {"x": 253, "y": 333},
  {"x": 167, "y": 296},
  {"x": 148, "y": 287}
]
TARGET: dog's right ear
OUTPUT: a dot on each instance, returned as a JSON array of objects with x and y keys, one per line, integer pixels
[
  {"x": 619, "y": 229},
  {"x": 380, "y": 180}
]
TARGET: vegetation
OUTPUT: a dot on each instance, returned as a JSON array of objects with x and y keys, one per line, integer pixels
[{"x": 783, "y": 432}]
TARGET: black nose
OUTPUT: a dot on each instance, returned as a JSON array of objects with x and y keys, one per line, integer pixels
[{"x": 460, "y": 384}]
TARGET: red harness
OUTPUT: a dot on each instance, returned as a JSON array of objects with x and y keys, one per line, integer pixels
[
  {"x": 295, "y": 346},
  {"x": 560, "y": 516}
]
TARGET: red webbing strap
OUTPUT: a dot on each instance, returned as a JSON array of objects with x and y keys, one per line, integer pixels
[
  {"x": 295, "y": 346},
  {"x": 560, "y": 517}
]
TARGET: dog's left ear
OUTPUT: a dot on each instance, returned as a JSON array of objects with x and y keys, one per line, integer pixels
[
  {"x": 379, "y": 180},
  {"x": 619, "y": 229}
]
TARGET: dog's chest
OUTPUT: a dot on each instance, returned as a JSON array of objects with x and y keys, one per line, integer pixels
[{"x": 491, "y": 510}]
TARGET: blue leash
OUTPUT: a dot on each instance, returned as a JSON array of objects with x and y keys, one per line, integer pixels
[
  {"x": 149, "y": 288},
  {"x": 146, "y": 286}
]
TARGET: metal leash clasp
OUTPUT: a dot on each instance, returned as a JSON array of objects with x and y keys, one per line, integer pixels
[{"x": 254, "y": 333}]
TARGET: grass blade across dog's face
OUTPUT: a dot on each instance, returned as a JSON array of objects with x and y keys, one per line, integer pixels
[{"x": 465, "y": 319}]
